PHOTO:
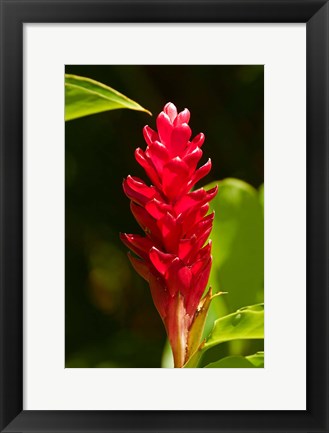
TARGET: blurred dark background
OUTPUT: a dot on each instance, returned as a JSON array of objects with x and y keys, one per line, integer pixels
[{"x": 110, "y": 320}]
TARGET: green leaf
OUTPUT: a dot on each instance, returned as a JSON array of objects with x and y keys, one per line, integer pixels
[
  {"x": 257, "y": 359},
  {"x": 84, "y": 96},
  {"x": 231, "y": 362},
  {"x": 261, "y": 195},
  {"x": 246, "y": 323},
  {"x": 238, "y": 246},
  {"x": 167, "y": 360},
  {"x": 252, "y": 361},
  {"x": 197, "y": 327}
]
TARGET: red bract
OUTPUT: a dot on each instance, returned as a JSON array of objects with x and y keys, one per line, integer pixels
[{"x": 174, "y": 255}]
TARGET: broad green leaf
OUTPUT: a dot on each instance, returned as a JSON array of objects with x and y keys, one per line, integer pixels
[
  {"x": 238, "y": 246},
  {"x": 246, "y": 323},
  {"x": 84, "y": 96},
  {"x": 257, "y": 359},
  {"x": 252, "y": 361},
  {"x": 231, "y": 362}
]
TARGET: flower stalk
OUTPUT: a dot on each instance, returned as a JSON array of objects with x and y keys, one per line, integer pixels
[{"x": 174, "y": 256}]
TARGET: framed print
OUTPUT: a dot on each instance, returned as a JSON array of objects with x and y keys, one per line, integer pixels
[{"x": 164, "y": 216}]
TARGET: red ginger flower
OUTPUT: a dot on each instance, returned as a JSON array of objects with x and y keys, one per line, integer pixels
[{"x": 173, "y": 256}]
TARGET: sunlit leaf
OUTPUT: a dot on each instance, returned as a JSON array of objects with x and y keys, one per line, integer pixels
[
  {"x": 167, "y": 360},
  {"x": 246, "y": 323},
  {"x": 252, "y": 361},
  {"x": 257, "y": 359},
  {"x": 231, "y": 362},
  {"x": 261, "y": 195},
  {"x": 238, "y": 246},
  {"x": 84, "y": 96}
]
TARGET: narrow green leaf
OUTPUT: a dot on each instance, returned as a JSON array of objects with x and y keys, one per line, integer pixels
[
  {"x": 251, "y": 361},
  {"x": 196, "y": 330},
  {"x": 246, "y": 323},
  {"x": 84, "y": 96},
  {"x": 178, "y": 344}
]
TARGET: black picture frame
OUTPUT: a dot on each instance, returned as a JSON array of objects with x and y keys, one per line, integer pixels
[{"x": 13, "y": 14}]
